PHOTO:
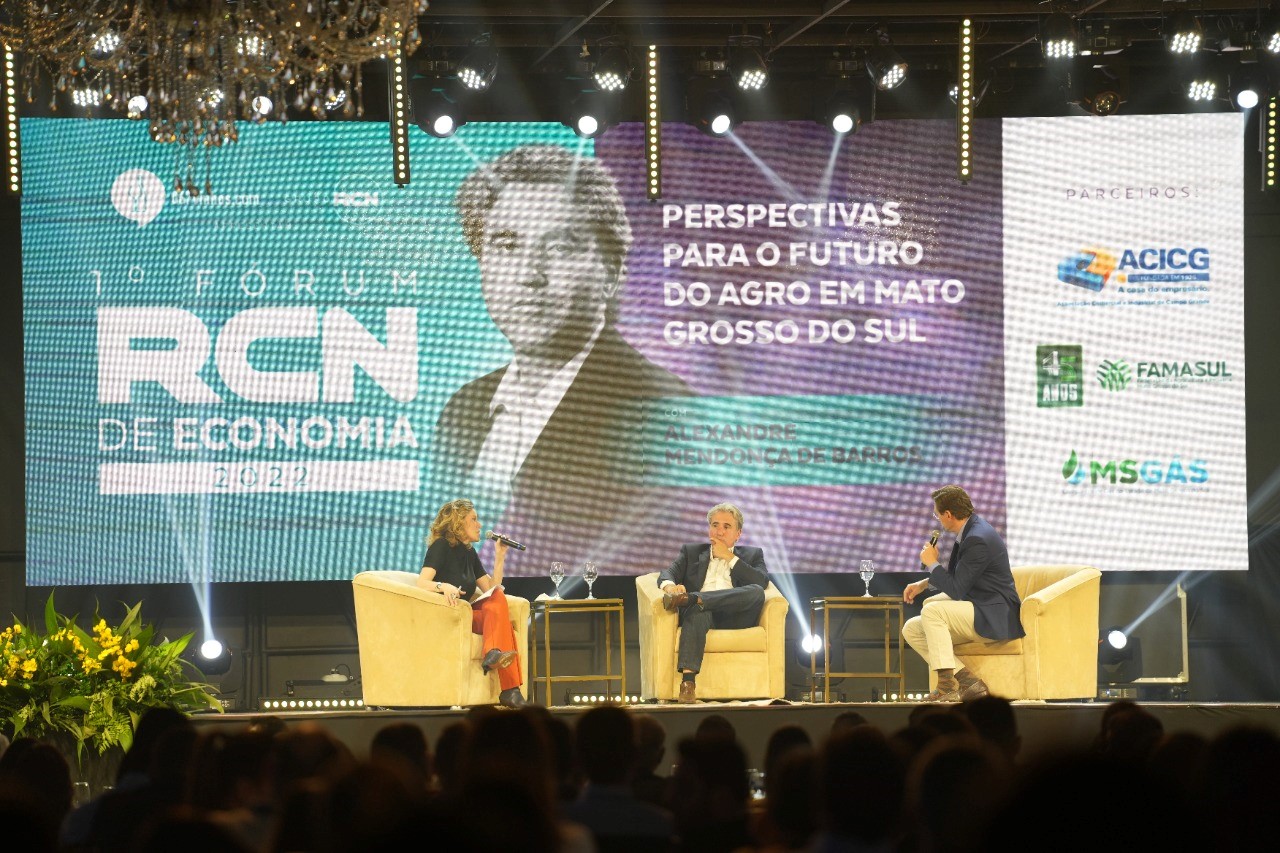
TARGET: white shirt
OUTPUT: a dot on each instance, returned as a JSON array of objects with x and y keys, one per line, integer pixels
[
  {"x": 519, "y": 414},
  {"x": 719, "y": 575}
]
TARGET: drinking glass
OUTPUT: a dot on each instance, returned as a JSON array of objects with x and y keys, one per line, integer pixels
[
  {"x": 79, "y": 794},
  {"x": 589, "y": 574},
  {"x": 866, "y": 571},
  {"x": 557, "y": 575}
]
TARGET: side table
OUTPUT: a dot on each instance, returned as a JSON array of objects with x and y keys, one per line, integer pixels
[
  {"x": 542, "y": 611},
  {"x": 858, "y": 604}
]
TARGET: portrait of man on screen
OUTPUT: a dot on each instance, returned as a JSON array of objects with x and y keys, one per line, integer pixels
[{"x": 558, "y": 429}]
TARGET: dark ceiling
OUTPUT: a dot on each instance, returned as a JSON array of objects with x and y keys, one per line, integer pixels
[{"x": 542, "y": 43}]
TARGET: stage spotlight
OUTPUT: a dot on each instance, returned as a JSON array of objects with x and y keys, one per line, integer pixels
[
  {"x": 713, "y": 113},
  {"x": 747, "y": 67},
  {"x": 1058, "y": 37},
  {"x": 811, "y": 649},
  {"x": 1119, "y": 657},
  {"x": 590, "y": 114},
  {"x": 1182, "y": 33},
  {"x": 1202, "y": 89},
  {"x": 1269, "y": 33},
  {"x": 433, "y": 110},
  {"x": 613, "y": 72},
  {"x": 1102, "y": 89},
  {"x": 479, "y": 67},
  {"x": 214, "y": 658},
  {"x": 886, "y": 67},
  {"x": 842, "y": 112},
  {"x": 979, "y": 91},
  {"x": 1248, "y": 88}
]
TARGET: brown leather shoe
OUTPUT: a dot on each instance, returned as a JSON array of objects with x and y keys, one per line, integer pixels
[
  {"x": 688, "y": 692},
  {"x": 976, "y": 689},
  {"x": 672, "y": 603},
  {"x": 943, "y": 696}
]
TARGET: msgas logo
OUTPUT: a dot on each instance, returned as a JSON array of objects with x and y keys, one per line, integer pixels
[
  {"x": 1092, "y": 268},
  {"x": 138, "y": 195},
  {"x": 1128, "y": 472},
  {"x": 1059, "y": 375}
]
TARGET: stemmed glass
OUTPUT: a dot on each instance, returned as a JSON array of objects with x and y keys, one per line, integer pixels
[
  {"x": 557, "y": 575},
  {"x": 589, "y": 574},
  {"x": 866, "y": 571}
]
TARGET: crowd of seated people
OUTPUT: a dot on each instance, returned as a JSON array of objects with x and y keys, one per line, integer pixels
[{"x": 953, "y": 779}]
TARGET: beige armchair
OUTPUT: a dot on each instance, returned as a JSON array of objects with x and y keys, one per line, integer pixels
[
  {"x": 747, "y": 663},
  {"x": 416, "y": 650},
  {"x": 1058, "y": 658}
]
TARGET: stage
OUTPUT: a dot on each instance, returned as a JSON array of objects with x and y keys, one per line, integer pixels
[{"x": 1045, "y": 727}]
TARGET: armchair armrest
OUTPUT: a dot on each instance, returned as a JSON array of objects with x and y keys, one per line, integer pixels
[{"x": 1039, "y": 603}]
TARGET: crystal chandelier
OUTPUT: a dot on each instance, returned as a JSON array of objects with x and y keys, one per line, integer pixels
[{"x": 193, "y": 68}]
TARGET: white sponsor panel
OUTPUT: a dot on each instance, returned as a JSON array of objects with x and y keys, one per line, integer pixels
[{"x": 1124, "y": 354}]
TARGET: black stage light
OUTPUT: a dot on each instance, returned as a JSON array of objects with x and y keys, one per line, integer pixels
[
  {"x": 980, "y": 87},
  {"x": 434, "y": 110},
  {"x": 1269, "y": 33},
  {"x": 213, "y": 658},
  {"x": 1119, "y": 657},
  {"x": 842, "y": 112},
  {"x": 748, "y": 68},
  {"x": 612, "y": 72},
  {"x": 712, "y": 112},
  {"x": 591, "y": 113},
  {"x": 1182, "y": 33},
  {"x": 1101, "y": 89},
  {"x": 886, "y": 67},
  {"x": 1059, "y": 38},
  {"x": 479, "y": 67}
]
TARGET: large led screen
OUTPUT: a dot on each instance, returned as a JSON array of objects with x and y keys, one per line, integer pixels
[{"x": 284, "y": 377}]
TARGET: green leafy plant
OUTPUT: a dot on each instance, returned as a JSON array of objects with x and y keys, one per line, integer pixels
[{"x": 92, "y": 685}]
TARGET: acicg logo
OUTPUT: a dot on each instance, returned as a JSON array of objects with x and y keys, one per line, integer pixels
[{"x": 1126, "y": 472}]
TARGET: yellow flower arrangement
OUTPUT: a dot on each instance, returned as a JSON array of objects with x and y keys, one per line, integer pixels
[{"x": 92, "y": 686}]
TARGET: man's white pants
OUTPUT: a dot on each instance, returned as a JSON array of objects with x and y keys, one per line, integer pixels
[{"x": 941, "y": 624}]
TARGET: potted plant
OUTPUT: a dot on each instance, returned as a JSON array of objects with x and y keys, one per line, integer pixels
[{"x": 88, "y": 688}]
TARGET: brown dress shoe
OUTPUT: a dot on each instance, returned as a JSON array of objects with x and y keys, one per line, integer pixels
[
  {"x": 940, "y": 695},
  {"x": 688, "y": 692},
  {"x": 672, "y": 603},
  {"x": 975, "y": 690}
]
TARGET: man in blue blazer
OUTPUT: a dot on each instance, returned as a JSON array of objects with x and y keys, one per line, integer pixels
[
  {"x": 714, "y": 584},
  {"x": 979, "y": 602}
]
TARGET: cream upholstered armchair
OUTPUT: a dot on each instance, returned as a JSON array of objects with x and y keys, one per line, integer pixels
[
  {"x": 416, "y": 650},
  {"x": 745, "y": 663},
  {"x": 1058, "y": 658}
]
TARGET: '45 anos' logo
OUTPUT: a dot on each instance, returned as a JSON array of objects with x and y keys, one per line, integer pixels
[{"x": 1129, "y": 471}]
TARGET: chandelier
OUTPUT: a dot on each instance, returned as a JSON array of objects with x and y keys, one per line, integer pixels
[{"x": 193, "y": 68}]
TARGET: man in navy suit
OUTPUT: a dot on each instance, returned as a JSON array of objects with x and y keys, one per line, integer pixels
[
  {"x": 715, "y": 584},
  {"x": 979, "y": 602}
]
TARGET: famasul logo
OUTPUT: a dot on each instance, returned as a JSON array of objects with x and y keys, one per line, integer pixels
[
  {"x": 1126, "y": 472},
  {"x": 1114, "y": 375},
  {"x": 138, "y": 196}
]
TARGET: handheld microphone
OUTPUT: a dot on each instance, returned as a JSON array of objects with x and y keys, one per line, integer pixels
[
  {"x": 506, "y": 540},
  {"x": 933, "y": 536}
]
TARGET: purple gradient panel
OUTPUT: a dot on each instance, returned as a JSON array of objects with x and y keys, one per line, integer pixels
[{"x": 961, "y": 364}]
